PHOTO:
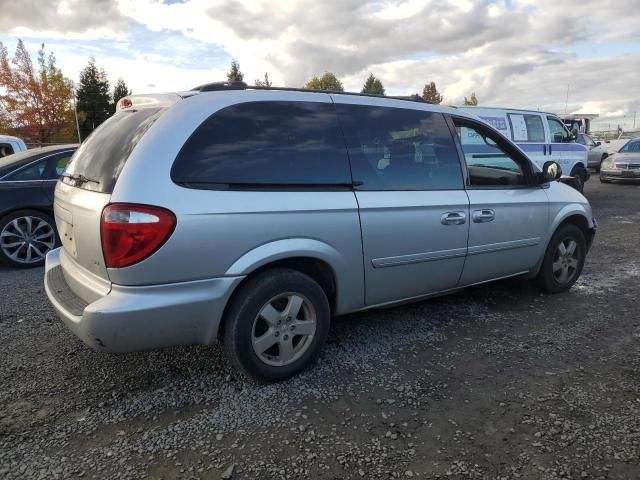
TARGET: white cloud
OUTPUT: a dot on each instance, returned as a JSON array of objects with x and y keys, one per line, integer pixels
[{"x": 510, "y": 52}]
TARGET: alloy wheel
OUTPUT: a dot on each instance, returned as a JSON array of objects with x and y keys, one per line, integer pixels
[
  {"x": 566, "y": 261},
  {"x": 284, "y": 329},
  {"x": 26, "y": 240}
]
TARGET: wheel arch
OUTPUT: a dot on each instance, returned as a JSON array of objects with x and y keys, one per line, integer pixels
[
  {"x": 319, "y": 260},
  {"x": 569, "y": 215}
]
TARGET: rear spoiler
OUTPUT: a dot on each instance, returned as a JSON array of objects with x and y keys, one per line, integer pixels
[{"x": 153, "y": 100}]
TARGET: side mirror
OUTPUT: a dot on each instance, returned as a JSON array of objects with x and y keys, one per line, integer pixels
[
  {"x": 598, "y": 144},
  {"x": 550, "y": 171},
  {"x": 557, "y": 137}
]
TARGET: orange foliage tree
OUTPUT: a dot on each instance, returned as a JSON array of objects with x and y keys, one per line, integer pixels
[{"x": 35, "y": 105}]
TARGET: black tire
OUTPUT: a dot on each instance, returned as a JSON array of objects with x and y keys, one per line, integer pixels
[
  {"x": 547, "y": 279},
  {"x": 6, "y": 259},
  {"x": 242, "y": 318},
  {"x": 579, "y": 174},
  {"x": 604, "y": 156}
]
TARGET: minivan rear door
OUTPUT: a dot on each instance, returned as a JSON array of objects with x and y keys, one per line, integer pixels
[
  {"x": 88, "y": 182},
  {"x": 413, "y": 208}
]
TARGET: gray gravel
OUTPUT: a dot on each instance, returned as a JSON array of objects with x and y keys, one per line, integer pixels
[{"x": 495, "y": 382}]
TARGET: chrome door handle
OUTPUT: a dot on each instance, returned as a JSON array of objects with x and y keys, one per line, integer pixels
[
  {"x": 453, "y": 218},
  {"x": 484, "y": 215}
]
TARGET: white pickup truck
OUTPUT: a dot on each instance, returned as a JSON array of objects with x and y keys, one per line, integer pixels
[{"x": 10, "y": 145}]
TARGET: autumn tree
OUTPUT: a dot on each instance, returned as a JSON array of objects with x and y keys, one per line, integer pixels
[
  {"x": 263, "y": 83},
  {"x": 93, "y": 98},
  {"x": 119, "y": 91},
  {"x": 373, "y": 86},
  {"x": 234, "y": 74},
  {"x": 35, "y": 104},
  {"x": 430, "y": 93},
  {"x": 471, "y": 101},
  {"x": 328, "y": 81}
]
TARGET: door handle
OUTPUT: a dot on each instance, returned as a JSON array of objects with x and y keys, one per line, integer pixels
[
  {"x": 484, "y": 215},
  {"x": 544, "y": 149},
  {"x": 453, "y": 218},
  {"x": 549, "y": 149}
]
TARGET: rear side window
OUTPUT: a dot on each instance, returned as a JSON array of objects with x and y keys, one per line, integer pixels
[
  {"x": 103, "y": 155},
  {"x": 526, "y": 128},
  {"x": 32, "y": 172},
  {"x": 400, "y": 149},
  {"x": 265, "y": 143}
]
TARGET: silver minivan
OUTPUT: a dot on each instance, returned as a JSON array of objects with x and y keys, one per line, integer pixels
[{"x": 253, "y": 215}]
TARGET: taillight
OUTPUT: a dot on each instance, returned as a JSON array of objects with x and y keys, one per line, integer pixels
[{"x": 130, "y": 233}]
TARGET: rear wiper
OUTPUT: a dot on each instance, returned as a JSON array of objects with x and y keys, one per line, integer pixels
[{"x": 79, "y": 178}]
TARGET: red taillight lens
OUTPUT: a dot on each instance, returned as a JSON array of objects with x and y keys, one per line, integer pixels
[{"x": 131, "y": 233}]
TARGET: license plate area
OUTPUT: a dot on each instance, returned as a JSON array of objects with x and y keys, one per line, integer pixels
[{"x": 628, "y": 173}]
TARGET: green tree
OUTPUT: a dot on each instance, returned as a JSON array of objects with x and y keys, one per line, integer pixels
[
  {"x": 328, "y": 81},
  {"x": 263, "y": 83},
  {"x": 35, "y": 105},
  {"x": 471, "y": 101},
  {"x": 93, "y": 98},
  {"x": 234, "y": 74},
  {"x": 430, "y": 93},
  {"x": 373, "y": 86},
  {"x": 119, "y": 91}
]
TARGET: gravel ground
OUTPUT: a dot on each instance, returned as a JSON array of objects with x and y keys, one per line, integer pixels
[{"x": 498, "y": 381}]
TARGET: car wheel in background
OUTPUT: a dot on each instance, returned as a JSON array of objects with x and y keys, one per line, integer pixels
[
  {"x": 563, "y": 260},
  {"x": 579, "y": 175},
  {"x": 26, "y": 236},
  {"x": 604, "y": 155},
  {"x": 276, "y": 324}
]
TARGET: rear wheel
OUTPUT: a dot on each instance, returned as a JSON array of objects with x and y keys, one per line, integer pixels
[
  {"x": 579, "y": 175},
  {"x": 563, "y": 260},
  {"x": 276, "y": 324},
  {"x": 26, "y": 236}
]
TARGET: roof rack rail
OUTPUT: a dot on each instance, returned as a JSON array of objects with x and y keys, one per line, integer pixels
[{"x": 239, "y": 85}]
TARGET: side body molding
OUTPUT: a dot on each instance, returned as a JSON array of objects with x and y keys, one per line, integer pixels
[{"x": 348, "y": 270}]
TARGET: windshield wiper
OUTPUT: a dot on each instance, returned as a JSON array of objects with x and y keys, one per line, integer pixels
[{"x": 79, "y": 178}]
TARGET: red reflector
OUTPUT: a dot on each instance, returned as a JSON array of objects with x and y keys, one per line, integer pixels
[{"x": 131, "y": 233}]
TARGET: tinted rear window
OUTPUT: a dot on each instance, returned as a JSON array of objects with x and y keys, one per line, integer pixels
[
  {"x": 103, "y": 155},
  {"x": 265, "y": 143}
]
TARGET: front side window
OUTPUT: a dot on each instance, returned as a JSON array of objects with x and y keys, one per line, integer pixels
[
  {"x": 32, "y": 172},
  {"x": 57, "y": 165},
  {"x": 581, "y": 139},
  {"x": 557, "y": 130},
  {"x": 489, "y": 161},
  {"x": 400, "y": 149},
  {"x": 526, "y": 128},
  {"x": 265, "y": 143}
]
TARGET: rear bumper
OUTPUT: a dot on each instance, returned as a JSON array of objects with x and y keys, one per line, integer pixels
[{"x": 141, "y": 318}]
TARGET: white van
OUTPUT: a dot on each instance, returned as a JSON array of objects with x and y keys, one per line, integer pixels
[
  {"x": 542, "y": 136},
  {"x": 10, "y": 145}
]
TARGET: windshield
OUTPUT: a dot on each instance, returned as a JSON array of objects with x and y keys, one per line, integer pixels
[
  {"x": 631, "y": 147},
  {"x": 102, "y": 156}
]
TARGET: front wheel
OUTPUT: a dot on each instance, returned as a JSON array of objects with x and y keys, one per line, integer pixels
[
  {"x": 26, "y": 236},
  {"x": 276, "y": 324},
  {"x": 563, "y": 260}
]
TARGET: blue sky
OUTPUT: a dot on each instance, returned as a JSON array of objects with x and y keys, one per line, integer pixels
[{"x": 519, "y": 53}]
